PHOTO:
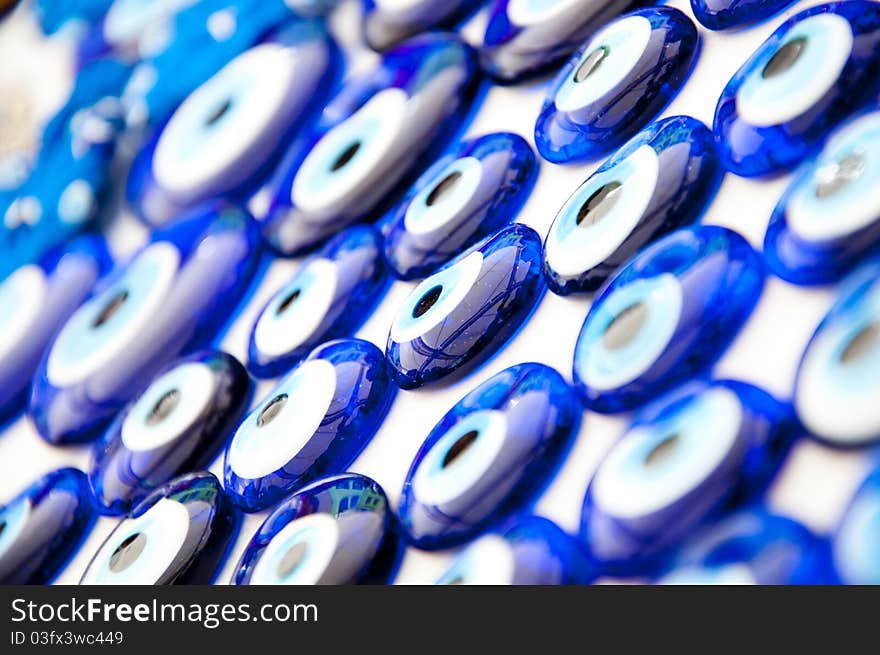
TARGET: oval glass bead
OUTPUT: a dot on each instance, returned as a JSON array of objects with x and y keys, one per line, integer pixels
[
  {"x": 314, "y": 423},
  {"x": 662, "y": 179},
  {"x": 335, "y": 531},
  {"x": 488, "y": 456},
  {"x": 668, "y": 315}
]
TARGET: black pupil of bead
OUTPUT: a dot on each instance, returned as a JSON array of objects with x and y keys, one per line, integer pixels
[
  {"x": 288, "y": 301},
  {"x": 127, "y": 552},
  {"x": 292, "y": 559},
  {"x": 443, "y": 187},
  {"x": 346, "y": 156},
  {"x": 662, "y": 450},
  {"x": 464, "y": 442},
  {"x": 591, "y": 63},
  {"x": 599, "y": 204},
  {"x": 219, "y": 112},
  {"x": 163, "y": 407},
  {"x": 272, "y": 410},
  {"x": 2, "y": 527},
  {"x": 427, "y": 301},
  {"x": 625, "y": 326},
  {"x": 113, "y": 305},
  {"x": 866, "y": 340},
  {"x": 785, "y": 57},
  {"x": 832, "y": 178}
]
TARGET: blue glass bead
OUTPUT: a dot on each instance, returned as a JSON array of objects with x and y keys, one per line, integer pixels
[
  {"x": 311, "y": 8},
  {"x": 43, "y": 527},
  {"x": 526, "y": 37},
  {"x": 178, "y": 292},
  {"x": 854, "y": 542},
  {"x": 46, "y": 197},
  {"x": 180, "y": 534},
  {"x": 669, "y": 314},
  {"x": 369, "y": 140},
  {"x": 489, "y": 455},
  {"x": 335, "y": 531},
  {"x": 177, "y": 425},
  {"x": 388, "y": 22},
  {"x": 837, "y": 382},
  {"x": 35, "y": 301},
  {"x": 751, "y": 547},
  {"x": 809, "y": 74},
  {"x": 218, "y": 30},
  {"x": 529, "y": 550},
  {"x": 803, "y": 244},
  {"x": 468, "y": 310},
  {"x": 53, "y": 15},
  {"x": 329, "y": 297},
  {"x": 662, "y": 179},
  {"x": 466, "y": 196},
  {"x": 314, "y": 423},
  {"x": 230, "y": 132},
  {"x": 683, "y": 460},
  {"x": 616, "y": 83},
  {"x": 727, "y": 14}
]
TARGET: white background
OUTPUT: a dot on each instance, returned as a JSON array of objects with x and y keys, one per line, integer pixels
[{"x": 816, "y": 481}]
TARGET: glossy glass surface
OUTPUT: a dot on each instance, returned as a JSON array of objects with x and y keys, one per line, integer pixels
[
  {"x": 35, "y": 301},
  {"x": 379, "y": 129},
  {"x": 176, "y": 293},
  {"x": 684, "y": 459},
  {"x": 43, "y": 527},
  {"x": 662, "y": 179},
  {"x": 727, "y": 14},
  {"x": 388, "y": 22},
  {"x": 468, "y": 310},
  {"x": 180, "y": 534},
  {"x": 616, "y": 83},
  {"x": 812, "y": 72},
  {"x": 177, "y": 425},
  {"x": 228, "y": 134},
  {"x": 853, "y": 544},
  {"x": 669, "y": 314},
  {"x": 329, "y": 297},
  {"x": 837, "y": 380},
  {"x": 527, "y": 550},
  {"x": 488, "y": 456},
  {"x": 335, "y": 531},
  {"x": 314, "y": 423},
  {"x": 465, "y": 196}
]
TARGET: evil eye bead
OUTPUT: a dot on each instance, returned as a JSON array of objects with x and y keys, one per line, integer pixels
[
  {"x": 35, "y": 301},
  {"x": 854, "y": 542},
  {"x": 727, "y": 14},
  {"x": 335, "y": 531},
  {"x": 43, "y": 527},
  {"x": 751, "y": 547},
  {"x": 368, "y": 141},
  {"x": 661, "y": 179},
  {"x": 225, "y": 136},
  {"x": 314, "y": 423},
  {"x": 616, "y": 83},
  {"x": 179, "y": 534},
  {"x": 329, "y": 297},
  {"x": 466, "y": 196},
  {"x": 468, "y": 310},
  {"x": 837, "y": 382},
  {"x": 388, "y": 22},
  {"x": 177, "y": 425},
  {"x": 530, "y": 550},
  {"x": 808, "y": 75},
  {"x": 683, "y": 459},
  {"x": 668, "y": 315},
  {"x": 803, "y": 244},
  {"x": 526, "y": 37},
  {"x": 490, "y": 454},
  {"x": 311, "y": 8},
  {"x": 176, "y": 293},
  {"x": 218, "y": 31}
]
